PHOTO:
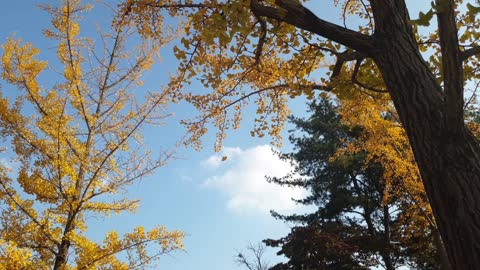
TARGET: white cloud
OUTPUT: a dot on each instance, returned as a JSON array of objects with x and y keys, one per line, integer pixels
[{"x": 242, "y": 179}]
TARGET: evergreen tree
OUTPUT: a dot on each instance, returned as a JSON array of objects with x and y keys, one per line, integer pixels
[{"x": 358, "y": 222}]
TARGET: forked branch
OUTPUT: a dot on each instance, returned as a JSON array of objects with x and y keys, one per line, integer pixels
[
  {"x": 363, "y": 85},
  {"x": 294, "y": 13}
]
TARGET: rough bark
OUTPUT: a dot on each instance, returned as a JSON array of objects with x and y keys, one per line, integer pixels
[
  {"x": 447, "y": 153},
  {"x": 448, "y": 159},
  {"x": 449, "y": 162}
]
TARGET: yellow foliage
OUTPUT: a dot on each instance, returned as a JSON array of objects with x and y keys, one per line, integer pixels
[
  {"x": 74, "y": 150},
  {"x": 475, "y": 128},
  {"x": 220, "y": 46},
  {"x": 385, "y": 142}
]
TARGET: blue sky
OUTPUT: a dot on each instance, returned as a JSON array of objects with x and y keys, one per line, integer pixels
[{"x": 221, "y": 205}]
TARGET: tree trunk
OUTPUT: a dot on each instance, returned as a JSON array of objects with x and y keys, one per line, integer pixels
[
  {"x": 385, "y": 237},
  {"x": 448, "y": 158},
  {"x": 442, "y": 253},
  {"x": 62, "y": 254},
  {"x": 61, "y": 258},
  {"x": 447, "y": 153},
  {"x": 449, "y": 161}
]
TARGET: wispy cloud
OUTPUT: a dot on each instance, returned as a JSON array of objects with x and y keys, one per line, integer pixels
[
  {"x": 8, "y": 164},
  {"x": 241, "y": 177}
]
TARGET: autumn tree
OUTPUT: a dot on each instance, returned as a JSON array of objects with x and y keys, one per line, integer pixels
[
  {"x": 383, "y": 141},
  {"x": 268, "y": 49},
  {"x": 365, "y": 216},
  {"x": 76, "y": 145}
]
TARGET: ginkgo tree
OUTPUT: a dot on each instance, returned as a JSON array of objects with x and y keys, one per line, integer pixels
[
  {"x": 268, "y": 49},
  {"x": 76, "y": 145}
]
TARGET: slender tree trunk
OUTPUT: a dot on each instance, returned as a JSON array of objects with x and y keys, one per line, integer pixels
[
  {"x": 385, "y": 237},
  {"x": 448, "y": 158},
  {"x": 387, "y": 258}
]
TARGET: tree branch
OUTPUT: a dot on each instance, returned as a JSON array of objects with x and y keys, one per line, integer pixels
[
  {"x": 27, "y": 213},
  {"x": 261, "y": 39},
  {"x": 357, "y": 82},
  {"x": 343, "y": 57},
  {"x": 469, "y": 53},
  {"x": 269, "y": 88},
  {"x": 451, "y": 63},
  {"x": 294, "y": 13}
]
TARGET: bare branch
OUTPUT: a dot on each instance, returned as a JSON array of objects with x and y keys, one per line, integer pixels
[
  {"x": 256, "y": 261},
  {"x": 472, "y": 97},
  {"x": 370, "y": 18}
]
